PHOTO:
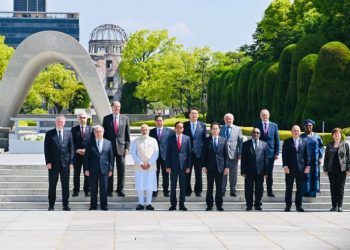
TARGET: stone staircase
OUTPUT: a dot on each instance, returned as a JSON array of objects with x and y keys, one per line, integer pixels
[{"x": 25, "y": 187}]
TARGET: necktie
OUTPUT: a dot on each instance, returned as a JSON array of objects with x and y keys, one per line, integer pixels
[
  {"x": 296, "y": 144},
  {"x": 116, "y": 125},
  {"x": 60, "y": 136},
  {"x": 256, "y": 145},
  {"x": 178, "y": 142},
  {"x": 215, "y": 144},
  {"x": 82, "y": 131},
  {"x": 265, "y": 128},
  {"x": 159, "y": 134},
  {"x": 193, "y": 129},
  {"x": 100, "y": 146},
  {"x": 228, "y": 132}
]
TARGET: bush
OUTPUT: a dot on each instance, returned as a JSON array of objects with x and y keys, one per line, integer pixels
[
  {"x": 253, "y": 109},
  {"x": 329, "y": 95},
  {"x": 167, "y": 122},
  {"x": 39, "y": 111},
  {"x": 346, "y": 131},
  {"x": 270, "y": 79}
]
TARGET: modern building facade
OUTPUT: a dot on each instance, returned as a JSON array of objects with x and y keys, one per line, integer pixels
[
  {"x": 29, "y": 5},
  {"x": 17, "y": 26}
]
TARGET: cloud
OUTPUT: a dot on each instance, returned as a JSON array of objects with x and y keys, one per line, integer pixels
[{"x": 180, "y": 29}]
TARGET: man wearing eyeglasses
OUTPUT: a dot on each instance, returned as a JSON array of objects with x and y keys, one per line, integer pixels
[
  {"x": 254, "y": 164},
  {"x": 82, "y": 134}
]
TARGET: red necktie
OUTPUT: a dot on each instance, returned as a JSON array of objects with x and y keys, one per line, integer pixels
[
  {"x": 178, "y": 142},
  {"x": 116, "y": 126}
]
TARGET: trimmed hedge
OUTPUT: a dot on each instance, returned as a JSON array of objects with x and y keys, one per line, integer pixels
[{"x": 270, "y": 79}]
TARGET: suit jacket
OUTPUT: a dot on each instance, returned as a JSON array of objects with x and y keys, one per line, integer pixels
[
  {"x": 215, "y": 160},
  {"x": 121, "y": 141},
  {"x": 79, "y": 141},
  {"x": 56, "y": 153},
  {"x": 234, "y": 141},
  {"x": 295, "y": 160},
  {"x": 343, "y": 156},
  {"x": 176, "y": 157},
  {"x": 197, "y": 140},
  {"x": 254, "y": 161},
  {"x": 272, "y": 138},
  {"x": 94, "y": 161},
  {"x": 163, "y": 142}
]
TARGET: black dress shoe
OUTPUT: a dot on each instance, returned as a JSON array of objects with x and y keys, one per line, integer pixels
[
  {"x": 248, "y": 209},
  {"x": 149, "y": 207},
  {"x": 92, "y": 208},
  {"x": 75, "y": 194},
  {"x": 223, "y": 194},
  {"x": 287, "y": 209},
  {"x": 220, "y": 209},
  {"x": 333, "y": 209},
  {"x": 300, "y": 209},
  {"x": 166, "y": 194},
  {"x": 121, "y": 194},
  {"x": 87, "y": 194},
  {"x": 271, "y": 195},
  {"x": 155, "y": 194},
  {"x": 233, "y": 194},
  {"x": 258, "y": 208},
  {"x": 340, "y": 209},
  {"x": 140, "y": 207},
  {"x": 172, "y": 208},
  {"x": 198, "y": 194},
  {"x": 110, "y": 194},
  {"x": 104, "y": 208},
  {"x": 208, "y": 209},
  {"x": 188, "y": 194},
  {"x": 183, "y": 208},
  {"x": 66, "y": 208},
  {"x": 51, "y": 208}
]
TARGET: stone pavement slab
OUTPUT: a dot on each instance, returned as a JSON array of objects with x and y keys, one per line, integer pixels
[{"x": 173, "y": 230}]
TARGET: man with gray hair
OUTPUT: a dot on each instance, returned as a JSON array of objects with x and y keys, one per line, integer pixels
[
  {"x": 233, "y": 135},
  {"x": 144, "y": 151},
  {"x": 82, "y": 134}
]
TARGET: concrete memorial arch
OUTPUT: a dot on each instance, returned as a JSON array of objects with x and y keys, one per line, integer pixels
[{"x": 34, "y": 54}]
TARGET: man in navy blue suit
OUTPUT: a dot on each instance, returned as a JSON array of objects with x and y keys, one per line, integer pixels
[
  {"x": 59, "y": 153},
  {"x": 196, "y": 130},
  {"x": 269, "y": 134},
  {"x": 98, "y": 165},
  {"x": 178, "y": 164},
  {"x": 161, "y": 134}
]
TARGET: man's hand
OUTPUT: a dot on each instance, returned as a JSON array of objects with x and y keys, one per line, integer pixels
[
  {"x": 225, "y": 171},
  {"x": 347, "y": 173},
  {"x": 325, "y": 173},
  {"x": 49, "y": 166},
  {"x": 265, "y": 176},
  {"x": 244, "y": 175},
  {"x": 87, "y": 173},
  {"x": 320, "y": 161},
  {"x": 307, "y": 170},
  {"x": 286, "y": 170},
  {"x": 204, "y": 170},
  {"x": 188, "y": 170},
  {"x": 70, "y": 166},
  {"x": 126, "y": 151},
  {"x": 168, "y": 170},
  {"x": 275, "y": 157},
  {"x": 110, "y": 173},
  {"x": 81, "y": 152}
]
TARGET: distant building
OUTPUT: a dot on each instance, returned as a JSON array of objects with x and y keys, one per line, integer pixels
[
  {"x": 105, "y": 48},
  {"x": 29, "y": 5}
]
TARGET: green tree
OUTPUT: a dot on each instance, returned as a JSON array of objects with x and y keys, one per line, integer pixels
[
  {"x": 33, "y": 101},
  {"x": 270, "y": 79},
  {"x": 80, "y": 98},
  {"x": 130, "y": 103},
  {"x": 5, "y": 55}
]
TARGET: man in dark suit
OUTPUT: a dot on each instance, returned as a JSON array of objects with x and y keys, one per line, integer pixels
[
  {"x": 196, "y": 130},
  {"x": 59, "y": 153},
  {"x": 117, "y": 131},
  {"x": 214, "y": 162},
  {"x": 269, "y": 134},
  {"x": 296, "y": 160},
  {"x": 254, "y": 164},
  {"x": 161, "y": 134},
  {"x": 82, "y": 135},
  {"x": 98, "y": 165},
  {"x": 178, "y": 164}
]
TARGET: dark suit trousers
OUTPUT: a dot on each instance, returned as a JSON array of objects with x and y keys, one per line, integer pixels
[
  {"x": 337, "y": 180},
  {"x": 198, "y": 175},
  {"x": 250, "y": 181},
  {"x": 217, "y": 178},
  {"x": 53, "y": 179},
  {"x": 120, "y": 164},
  {"x": 269, "y": 179},
  {"x": 98, "y": 181},
  {"x": 76, "y": 179},
  {"x": 165, "y": 175},
  {"x": 181, "y": 175},
  {"x": 299, "y": 180}
]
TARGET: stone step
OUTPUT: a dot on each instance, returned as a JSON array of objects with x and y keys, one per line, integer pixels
[{"x": 194, "y": 206}]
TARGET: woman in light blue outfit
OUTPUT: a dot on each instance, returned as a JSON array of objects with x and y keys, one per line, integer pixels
[{"x": 316, "y": 151}]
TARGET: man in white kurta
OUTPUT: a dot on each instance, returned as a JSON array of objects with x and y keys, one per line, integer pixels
[{"x": 144, "y": 151}]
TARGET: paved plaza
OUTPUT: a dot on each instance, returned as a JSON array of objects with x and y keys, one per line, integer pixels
[{"x": 173, "y": 230}]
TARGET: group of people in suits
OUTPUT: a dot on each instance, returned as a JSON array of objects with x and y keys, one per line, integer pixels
[{"x": 175, "y": 153}]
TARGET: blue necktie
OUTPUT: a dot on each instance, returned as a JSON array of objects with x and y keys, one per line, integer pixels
[
  {"x": 193, "y": 129},
  {"x": 215, "y": 144},
  {"x": 228, "y": 132}
]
